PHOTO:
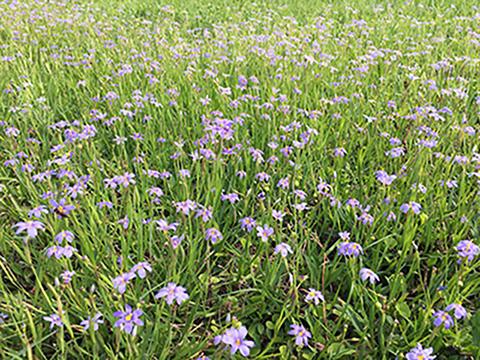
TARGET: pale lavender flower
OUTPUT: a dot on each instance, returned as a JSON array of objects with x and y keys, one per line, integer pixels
[
  {"x": 37, "y": 212},
  {"x": 314, "y": 295},
  {"x": 350, "y": 248},
  {"x": 128, "y": 319},
  {"x": 185, "y": 206},
  {"x": 125, "y": 179},
  {"x": 284, "y": 249},
  {"x": 67, "y": 276},
  {"x": 367, "y": 274},
  {"x": 302, "y": 335},
  {"x": 124, "y": 222},
  {"x": 460, "y": 311},
  {"x": 265, "y": 232},
  {"x": 213, "y": 234},
  {"x": 68, "y": 251},
  {"x": 176, "y": 240},
  {"x": 467, "y": 249},
  {"x": 31, "y": 226},
  {"x": 416, "y": 207},
  {"x": 247, "y": 222},
  {"x": 141, "y": 269},
  {"x": 205, "y": 213},
  {"x": 419, "y": 353},
  {"x": 442, "y": 317},
  {"x": 121, "y": 281},
  {"x": 173, "y": 292},
  {"x": 61, "y": 208},
  {"x": 54, "y": 319},
  {"x": 236, "y": 340},
  {"x": 339, "y": 152},
  {"x": 95, "y": 321},
  {"x": 64, "y": 235},
  {"x": 56, "y": 251},
  {"x": 164, "y": 226}
]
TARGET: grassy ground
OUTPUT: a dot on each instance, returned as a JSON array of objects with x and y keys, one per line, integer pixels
[{"x": 347, "y": 134}]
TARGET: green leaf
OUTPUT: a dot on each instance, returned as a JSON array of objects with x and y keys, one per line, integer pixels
[
  {"x": 476, "y": 328},
  {"x": 270, "y": 325},
  {"x": 403, "y": 309}
]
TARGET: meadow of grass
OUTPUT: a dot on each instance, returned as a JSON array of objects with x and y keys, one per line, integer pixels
[{"x": 216, "y": 180}]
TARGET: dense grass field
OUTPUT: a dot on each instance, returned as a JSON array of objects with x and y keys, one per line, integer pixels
[{"x": 277, "y": 180}]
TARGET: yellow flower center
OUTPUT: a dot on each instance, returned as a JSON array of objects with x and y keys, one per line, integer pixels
[{"x": 128, "y": 317}]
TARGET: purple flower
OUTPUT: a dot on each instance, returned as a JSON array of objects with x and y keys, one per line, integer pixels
[
  {"x": 95, "y": 321},
  {"x": 302, "y": 334},
  {"x": 284, "y": 249},
  {"x": 54, "y": 320},
  {"x": 124, "y": 222},
  {"x": 442, "y": 317},
  {"x": 284, "y": 183},
  {"x": 3, "y": 317},
  {"x": 176, "y": 240},
  {"x": 155, "y": 191},
  {"x": 185, "y": 206},
  {"x": 301, "y": 206},
  {"x": 164, "y": 226},
  {"x": 108, "y": 204},
  {"x": 277, "y": 215},
  {"x": 247, "y": 222},
  {"x": 68, "y": 251},
  {"x": 449, "y": 183},
  {"x": 206, "y": 214},
  {"x": 128, "y": 319},
  {"x": 390, "y": 216},
  {"x": 173, "y": 292},
  {"x": 64, "y": 235},
  {"x": 241, "y": 174},
  {"x": 32, "y": 227},
  {"x": 37, "y": 212},
  {"x": 213, "y": 234},
  {"x": 232, "y": 197},
  {"x": 416, "y": 207},
  {"x": 262, "y": 176},
  {"x": 141, "y": 269},
  {"x": 345, "y": 235},
  {"x": 368, "y": 274},
  {"x": 236, "y": 339},
  {"x": 314, "y": 295},
  {"x": 67, "y": 276},
  {"x": 466, "y": 248},
  {"x": 349, "y": 248},
  {"x": 125, "y": 179},
  {"x": 56, "y": 251},
  {"x": 183, "y": 173},
  {"x": 418, "y": 353},
  {"x": 121, "y": 281},
  {"x": 61, "y": 208},
  {"x": 264, "y": 232},
  {"x": 339, "y": 152},
  {"x": 460, "y": 311}
]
